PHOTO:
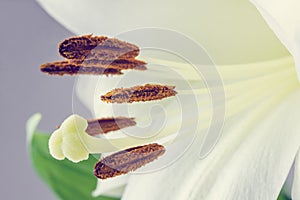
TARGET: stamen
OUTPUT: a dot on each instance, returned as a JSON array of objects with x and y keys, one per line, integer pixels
[
  {"x": 105, "y": 125},
  {"x": 100, "y": 47},
  {"x": 127, "y": 161},
  {"x": 148, "y": 92},
  {"x": 91, "y": 67}
]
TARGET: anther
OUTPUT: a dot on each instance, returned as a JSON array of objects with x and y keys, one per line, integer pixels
[
  {"x": 91, "y": 67},
  {"x": 127, "y": 160},
  {"x": 105, "y": 125},
  {"x": 100, "y": 47},
  {"x": 148, "y": 92}
]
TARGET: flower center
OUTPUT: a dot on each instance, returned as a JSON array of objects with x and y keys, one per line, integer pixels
[{"x": 100, "y": 55}]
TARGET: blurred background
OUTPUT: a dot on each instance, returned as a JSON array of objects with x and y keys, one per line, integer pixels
[{"x": 29, "y": 37}]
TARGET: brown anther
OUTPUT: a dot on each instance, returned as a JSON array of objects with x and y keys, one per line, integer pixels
[
  {"x": 105, "y": 125},
  {"x": 91, "y": 67},
  {"x": 96, "y": 55},
  {"x": 99, "y": 47},
  {"x": 127, "y": 160},
  {"x": 148, "y": 92},
  {"x": 71, "y": 68}
]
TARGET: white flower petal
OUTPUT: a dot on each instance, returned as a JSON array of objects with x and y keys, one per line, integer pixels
[
  {"x": 283, "y": 18},
  {"x": 113, "y": 187},
  {"x": 250, "y": 162},
  {"x": 31, "y": 126},
  {"x": 231, "y": 31},
  {"x": 296, "y": 181},
  {"x": 296, "y": 53}
]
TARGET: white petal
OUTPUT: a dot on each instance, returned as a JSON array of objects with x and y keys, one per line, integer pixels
[
  {"x": 235, "y": 28},
  {"x": 296, "y": 52},
  {"x": 31, "y": 126},
  {"x": 284, "y": 19},
  {"x": 249, "y": 162},
  {"x": 296, "y": 182},
  {"x": 113, "y": 187}
]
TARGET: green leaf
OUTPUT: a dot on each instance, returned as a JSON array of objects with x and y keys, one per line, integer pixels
[
  {"x": 282, "y": 196},
  {"x": 67, "y": 179}
]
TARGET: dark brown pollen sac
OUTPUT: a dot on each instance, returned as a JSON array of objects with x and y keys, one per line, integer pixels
[
  {"x": 91, "y": 67},
  {"x": 127, "y": 160},
  {"x": 105, "y": 125},
  {"x": 148, "y": 92},
  {"x": 78, "y": 47},
  {"x": 100, "y": 47},
  {"x": 72, "y": 68},
  {"x": 94, "y": 55}
]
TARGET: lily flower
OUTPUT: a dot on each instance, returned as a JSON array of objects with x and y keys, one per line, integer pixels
[{"x": 260, "y": 138}]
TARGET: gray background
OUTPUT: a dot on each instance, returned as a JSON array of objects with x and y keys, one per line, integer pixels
[{"x": 28, "y": 37}]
